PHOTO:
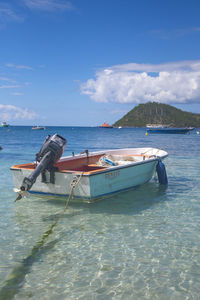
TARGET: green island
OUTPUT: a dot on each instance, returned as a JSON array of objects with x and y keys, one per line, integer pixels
[{"x": 158, "y": 113}]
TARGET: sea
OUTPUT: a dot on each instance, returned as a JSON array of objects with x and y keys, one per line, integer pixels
[{"x": 140, "y": 244}]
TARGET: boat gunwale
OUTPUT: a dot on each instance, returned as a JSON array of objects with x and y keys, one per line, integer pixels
[{"x": 101, "y": 170}]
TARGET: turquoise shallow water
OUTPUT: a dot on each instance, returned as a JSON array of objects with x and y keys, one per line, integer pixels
[{"x": 141, "y": 244}]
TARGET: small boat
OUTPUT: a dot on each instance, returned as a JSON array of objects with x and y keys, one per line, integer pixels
[
  {"x": 156, "y": 126},
  {"x": 92, "y": 175},
  {"x": 105, "y": 125},
  {"x": 171, "y": 130},
  {"x": 4, "y": 124},
  {"x": 198, "y": 131},
  {"x": 38, "y": 127}
]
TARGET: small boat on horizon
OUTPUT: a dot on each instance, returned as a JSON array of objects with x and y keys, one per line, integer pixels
[
  {"x": 4, "y": 124},
  {"x": 156, "y": 126},
  {"x": 105, "y": 125},
  {"x": 159, "y": 128},
  {"x": 91, "y": 175},
  {"x": 38, "y": 127}
]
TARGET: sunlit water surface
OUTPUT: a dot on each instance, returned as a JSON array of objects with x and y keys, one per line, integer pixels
[{"x": 140, "y": 244}]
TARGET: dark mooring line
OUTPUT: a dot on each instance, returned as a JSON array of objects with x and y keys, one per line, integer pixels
[{"x": 16, "y": 279}]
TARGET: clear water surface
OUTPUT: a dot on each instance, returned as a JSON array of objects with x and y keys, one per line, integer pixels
[{"x": 140, "y": 244}]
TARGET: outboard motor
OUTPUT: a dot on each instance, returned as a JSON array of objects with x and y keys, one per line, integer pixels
[{"x": 50, "y": 152}]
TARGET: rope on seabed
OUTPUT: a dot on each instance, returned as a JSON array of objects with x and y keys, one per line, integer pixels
[{"x": 14, "y": 282}]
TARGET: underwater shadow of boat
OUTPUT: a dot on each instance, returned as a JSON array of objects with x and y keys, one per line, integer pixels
[
  {"x": 129, "y": 202},
  {"x": 143, "y": 197}
]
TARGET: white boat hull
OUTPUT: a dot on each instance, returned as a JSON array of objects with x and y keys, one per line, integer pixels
[{"x": 99, "y": 183}]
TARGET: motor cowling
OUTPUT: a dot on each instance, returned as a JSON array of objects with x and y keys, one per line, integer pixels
[
  {"x": 50, "y": 152},
  {"x": 55, "y": 145}
]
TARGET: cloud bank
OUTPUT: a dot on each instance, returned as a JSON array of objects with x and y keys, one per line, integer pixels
[
  {"x": 11, "y": 112},
  {"x": 177, "y": 82}
]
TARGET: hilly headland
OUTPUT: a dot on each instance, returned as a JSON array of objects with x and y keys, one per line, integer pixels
[{"x": 158, "y": 113}]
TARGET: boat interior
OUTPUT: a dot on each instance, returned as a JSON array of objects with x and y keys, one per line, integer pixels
[{"x": 88, "y": 164}]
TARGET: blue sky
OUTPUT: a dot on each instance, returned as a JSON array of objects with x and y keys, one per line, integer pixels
[{"x": 83, "y": 62}]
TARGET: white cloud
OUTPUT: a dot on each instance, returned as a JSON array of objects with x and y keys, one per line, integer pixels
[
  {"x": 8, "y": 14},
  {"x": 12, "y": 12},
  {"x": 49, "y": 5},
  {"x": 9, "y": 86},
  {"x": 177, "y": 82},
  {"x": 175, "y": 33},
  {"x": 9, "y": 65},
  {"x": 11, "y": 112},
  {"x": 24, "y": 67},
  {"x": 17, "y": 94},
  {"x": 6, "y": 79}
]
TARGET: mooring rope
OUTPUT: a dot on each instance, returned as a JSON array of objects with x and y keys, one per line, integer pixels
[
  {"x": 75, "y": 181},
  {"x": 14, "y": 282}
]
